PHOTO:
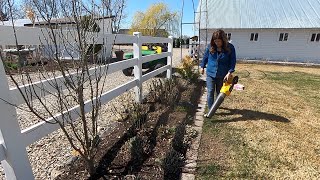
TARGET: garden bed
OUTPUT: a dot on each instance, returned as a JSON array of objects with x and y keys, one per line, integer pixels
[{"x": 152, "y": 140}]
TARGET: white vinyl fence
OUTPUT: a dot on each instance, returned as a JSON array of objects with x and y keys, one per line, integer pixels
[{"x": 13, "y": 140}]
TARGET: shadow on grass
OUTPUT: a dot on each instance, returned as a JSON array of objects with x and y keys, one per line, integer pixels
[{"x": 248, "y": 115}]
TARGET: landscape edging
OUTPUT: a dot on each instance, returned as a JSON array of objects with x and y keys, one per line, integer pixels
[{"x": 190, "y": 167}]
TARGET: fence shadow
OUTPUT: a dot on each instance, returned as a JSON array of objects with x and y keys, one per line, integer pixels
[{"x": 249, "y": 115}]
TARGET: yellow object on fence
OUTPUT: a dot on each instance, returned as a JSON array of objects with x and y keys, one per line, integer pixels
[
  {"x": 158, "y": 49},
  {"x": 144, "y": 48}
]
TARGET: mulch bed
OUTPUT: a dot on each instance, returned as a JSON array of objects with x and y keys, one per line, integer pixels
[{"x": 151, "y": 148}]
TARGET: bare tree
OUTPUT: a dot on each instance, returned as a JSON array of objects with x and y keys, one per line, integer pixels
[
  {"x": 70, "y": 29},
  {"x": 116, "y": 8},
  {"x": 4, "y": 10}
]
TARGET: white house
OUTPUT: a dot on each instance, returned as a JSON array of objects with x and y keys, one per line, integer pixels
[
  {"x": 65, "y": 51},
  {"x": 285, "y": 30}
]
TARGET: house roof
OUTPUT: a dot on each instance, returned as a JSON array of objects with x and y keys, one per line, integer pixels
[
  {"x": 17, "y": 22},
  {"x": 245, "y": 14},
  {"x": 27, "y": 22},
  {"x": 126, "y": 31},
  {"x": 66, "y": 20}
]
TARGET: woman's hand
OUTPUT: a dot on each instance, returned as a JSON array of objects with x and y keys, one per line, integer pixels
[{"x": 228, "y": 76}]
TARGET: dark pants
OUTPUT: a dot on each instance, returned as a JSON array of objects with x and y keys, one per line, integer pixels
[{"x": 213, "y": 86}]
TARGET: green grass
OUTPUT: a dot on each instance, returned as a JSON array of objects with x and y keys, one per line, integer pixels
[
  {"x": 245, "y": 158},
  {"x": 209, "y": 171},
  {"x": 298, "y": 80},
  {"x": 307, "y": 85},
  {"x": 233, "y": 140}
]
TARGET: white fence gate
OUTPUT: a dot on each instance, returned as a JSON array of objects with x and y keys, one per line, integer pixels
[{"x": 13, "y": 140}]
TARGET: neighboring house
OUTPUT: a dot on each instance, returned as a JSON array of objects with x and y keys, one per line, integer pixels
[
  {"x": 124, "y": 31},
  {"x": 105, "y": 23},
  {"x": 286, "y": 30},
  {"x": 65, "y": 51}
]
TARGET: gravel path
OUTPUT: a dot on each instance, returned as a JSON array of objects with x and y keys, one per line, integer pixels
[{"x": 53, "y": 150}]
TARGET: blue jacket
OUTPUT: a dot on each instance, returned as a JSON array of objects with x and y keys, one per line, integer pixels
[{"x": 219, "y": 65}]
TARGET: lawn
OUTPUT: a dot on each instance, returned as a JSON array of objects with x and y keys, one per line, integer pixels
[{"x": 269, "y": 131}]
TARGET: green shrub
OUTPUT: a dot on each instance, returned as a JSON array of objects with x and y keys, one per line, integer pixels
[
  {"x": 172, "y": 165},
  {"x": 164, "y": 91},
  {"x": 10, "y": 65},
  {"x": 187, "y": 71},
  {"x": 137, "y": 152},
  {"x": 178, "y": 142}
]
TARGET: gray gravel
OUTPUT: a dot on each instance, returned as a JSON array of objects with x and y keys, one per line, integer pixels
[{"x": 54, "y": 149}]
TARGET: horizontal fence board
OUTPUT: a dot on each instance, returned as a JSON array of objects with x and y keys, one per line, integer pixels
[
  {"x": 124, "y": 64},
  {"x": 149, "y": 39},
  {"x": 153, "y": 57},
  {"x": 44, "y": 87},
  {"x": 154, "y": 73},
  {"x": 40, "y": 130},
  {"x": 39, "y": 88},
  {"x": 2, "y": 153}
]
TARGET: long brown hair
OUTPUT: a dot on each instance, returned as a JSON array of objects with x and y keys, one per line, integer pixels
[{"x": 219, "y": 34}]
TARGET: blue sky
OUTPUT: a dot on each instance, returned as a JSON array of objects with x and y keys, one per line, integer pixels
[{"x": 174, "y": 5}]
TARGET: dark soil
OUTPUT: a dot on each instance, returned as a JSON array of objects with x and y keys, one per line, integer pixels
[{"x": 152, "y": 147}]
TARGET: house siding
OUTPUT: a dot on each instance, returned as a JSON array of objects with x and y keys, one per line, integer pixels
[
  {"x": 106, "y": 25},
  {"x": 298, "y": 48}
]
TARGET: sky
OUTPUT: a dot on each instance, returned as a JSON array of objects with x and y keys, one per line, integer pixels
[
  {"x": 133, "y": 6},
  {"x": 174, "y": 5}
]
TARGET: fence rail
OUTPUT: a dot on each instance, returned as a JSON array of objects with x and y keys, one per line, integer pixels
[
  {"x": 13, "y": 140},
  {"x": 2, "y": 153}
]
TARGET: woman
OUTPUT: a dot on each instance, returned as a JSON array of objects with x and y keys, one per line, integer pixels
[{"x": 220, "y": 61}]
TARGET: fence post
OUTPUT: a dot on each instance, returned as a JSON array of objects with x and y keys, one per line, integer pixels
[
  {"x": 138, "y": 67},
  {"x": 17, "y": 164},
  {"x": 169, "y": 60}
]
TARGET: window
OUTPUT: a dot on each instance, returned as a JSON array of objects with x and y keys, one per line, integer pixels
[
  {"x": 254, "y": 37},
  {"x": 284, "y": 37},
  {"x": 315, "y": 37},
  {"x": 281, "y": 37},
  {"x": 228, "y": 36}
]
